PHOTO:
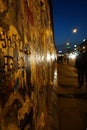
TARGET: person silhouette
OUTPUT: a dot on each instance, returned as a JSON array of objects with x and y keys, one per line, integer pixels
[
  {"x": 85, "y": 65},
  {"x": 81, "y": 66}
]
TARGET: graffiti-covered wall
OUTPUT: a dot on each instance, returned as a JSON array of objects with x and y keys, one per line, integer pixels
[{"x": 26, "y": 52}]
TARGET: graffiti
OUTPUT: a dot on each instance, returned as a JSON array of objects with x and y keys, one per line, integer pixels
[
  {"x": 14, "y": 76},
  {"x": 25, "y": 40},
  {"x": 12, "y": 73}
]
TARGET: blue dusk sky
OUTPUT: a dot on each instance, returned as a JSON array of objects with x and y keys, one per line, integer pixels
[{"x": 69, "y": 14}]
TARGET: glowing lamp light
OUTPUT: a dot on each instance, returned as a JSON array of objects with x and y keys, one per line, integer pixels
[
  {"x": 72, "y": 55},
  {"x": 74, "y": 30},
  {"x": 67, "y": 43},
  {"x": 83, "y": 47},
  {"x": 75, "y": 45},
  {"x": 84, "y": 40}
]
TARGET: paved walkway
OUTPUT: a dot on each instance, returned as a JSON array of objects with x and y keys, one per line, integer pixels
[{"x": 72, "y": 102}]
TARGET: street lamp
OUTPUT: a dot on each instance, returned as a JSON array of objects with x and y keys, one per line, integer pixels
[
  {"x": 74, "y": 30},
  {"x": 84, "y": 40}
]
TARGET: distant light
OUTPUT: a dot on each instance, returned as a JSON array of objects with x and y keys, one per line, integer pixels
[
  {"x": 74, "y": 30},
  {"x": 75, "y": 49},
  {"x": 75, "y": 45},
  {"x": 67, "y": 43},
  {"x": 60, "y": 51},
  {"x": 84, "y": 40},
  {"x": 83, "y": 47},
  {"x": 72, "y": 55}
]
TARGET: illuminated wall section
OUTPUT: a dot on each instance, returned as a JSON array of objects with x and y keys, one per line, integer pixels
[{"x": 27, "y": 51}]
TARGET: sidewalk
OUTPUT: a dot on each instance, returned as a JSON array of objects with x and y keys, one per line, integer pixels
[
  {"x": 72, "y": 102},
  {"x": 68, "y": 82}
]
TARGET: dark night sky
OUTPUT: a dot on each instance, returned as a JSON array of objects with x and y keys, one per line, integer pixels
[{"x": 69, "y": 14}]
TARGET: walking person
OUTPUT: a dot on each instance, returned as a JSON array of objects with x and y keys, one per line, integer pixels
[
  {"x": 85, "y": 65},
  {"x": 81, "y": 65}
]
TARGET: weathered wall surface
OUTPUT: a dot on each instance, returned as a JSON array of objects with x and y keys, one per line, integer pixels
[{"x": 27, "y": 51}]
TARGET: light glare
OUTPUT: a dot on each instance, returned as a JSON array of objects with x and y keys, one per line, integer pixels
[{"x": 74, "y": 30}]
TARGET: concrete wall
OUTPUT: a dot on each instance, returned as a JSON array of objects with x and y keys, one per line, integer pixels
[{"x": 27, "y": 51}]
